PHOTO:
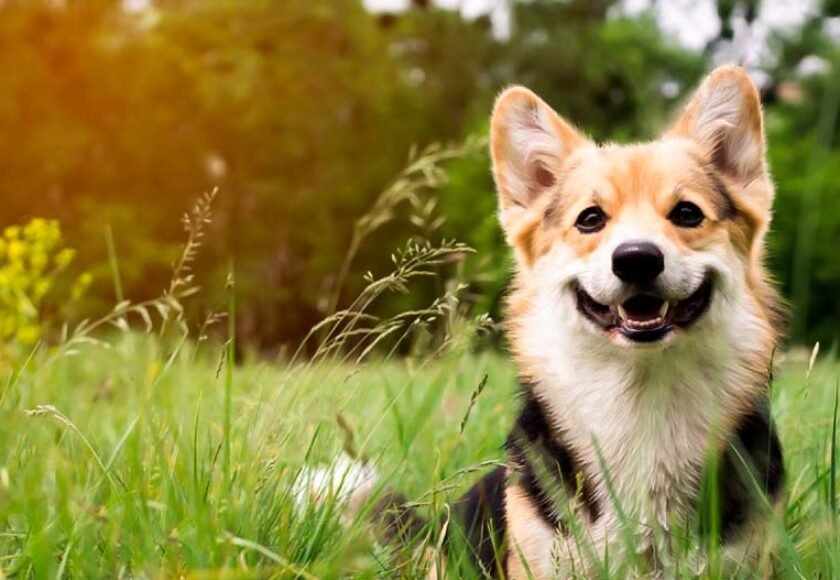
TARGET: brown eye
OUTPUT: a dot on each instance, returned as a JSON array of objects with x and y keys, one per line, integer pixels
[
  {"x": 591, "y": 220},
  {"x": 686, "y": 215}
]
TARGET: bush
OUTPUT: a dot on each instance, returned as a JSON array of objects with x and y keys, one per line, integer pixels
[{"x": 33, "y": 261}]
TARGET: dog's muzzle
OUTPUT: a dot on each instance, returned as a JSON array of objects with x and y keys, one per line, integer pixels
[{"x": 646, "y": 316}]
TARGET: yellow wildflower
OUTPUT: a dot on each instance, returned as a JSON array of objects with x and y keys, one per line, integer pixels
[
  {"x": 81, "y": 285},
  {"x": 16, "y": 250},
  {"x": 38, "y": 260},
  {"x": 64, "y": 257}
]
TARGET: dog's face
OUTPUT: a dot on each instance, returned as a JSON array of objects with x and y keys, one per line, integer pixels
[{"x": 641, "y": 241}]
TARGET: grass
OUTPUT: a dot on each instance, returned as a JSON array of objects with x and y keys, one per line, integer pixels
[{"x": 112, "y": 460}]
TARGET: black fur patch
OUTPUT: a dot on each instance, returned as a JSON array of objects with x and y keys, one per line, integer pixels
[
  {"x": 545, "y": 465},
  {"x": 400, "y": 523},
  {"x": 478, "y": 525},
  {"x": 542, "y": 465},
  {"x": 752, "y": 464}
]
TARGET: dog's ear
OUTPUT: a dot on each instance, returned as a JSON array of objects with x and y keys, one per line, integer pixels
[
  {"x": 724, "y": 118},
  {"x": 528, "y": 143}
]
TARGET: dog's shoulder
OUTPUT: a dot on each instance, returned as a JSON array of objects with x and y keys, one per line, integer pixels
[
  {"x": 751, "y": 465},
  {"x": 545, "y": 465}
]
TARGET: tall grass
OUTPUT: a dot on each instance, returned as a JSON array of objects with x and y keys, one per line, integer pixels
[{"x": 111, "y": 460}]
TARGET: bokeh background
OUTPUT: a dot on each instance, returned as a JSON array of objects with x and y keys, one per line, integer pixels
[{"x": 116, "y": 115}]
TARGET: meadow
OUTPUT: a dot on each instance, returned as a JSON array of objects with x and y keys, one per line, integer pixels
[{"x": 137, "y": 455}]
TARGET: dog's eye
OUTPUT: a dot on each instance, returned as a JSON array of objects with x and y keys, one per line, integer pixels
[
  {"x": 686, "y": 215},
  {"x": 591, "y": 220}
]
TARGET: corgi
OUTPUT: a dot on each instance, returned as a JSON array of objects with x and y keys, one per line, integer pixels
[{"x": 643, "y": 324}]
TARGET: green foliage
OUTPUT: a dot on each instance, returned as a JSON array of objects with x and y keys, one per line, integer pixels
[
  {"x": 124, "y": 117},
  {"x": 304, "y": 113},
  {"x": 803, "y": 131},
  {"x": 300, "y": 112}
]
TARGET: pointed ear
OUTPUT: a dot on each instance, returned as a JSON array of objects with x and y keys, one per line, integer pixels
[
  {"x": 724, "y": 118},
  {"x": 528, "y": 143}
]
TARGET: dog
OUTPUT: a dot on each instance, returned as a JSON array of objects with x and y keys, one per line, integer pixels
[{"x": 643, "y": 324}]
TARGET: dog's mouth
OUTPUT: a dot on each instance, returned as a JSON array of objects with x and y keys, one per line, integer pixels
[{"x": 646, "y": 317}]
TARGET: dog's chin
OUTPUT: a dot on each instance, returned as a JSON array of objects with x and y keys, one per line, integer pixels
[{"x": 645, "y": 318}]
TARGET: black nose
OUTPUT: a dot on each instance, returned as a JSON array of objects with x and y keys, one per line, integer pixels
[{"x": 638, "y": 262}]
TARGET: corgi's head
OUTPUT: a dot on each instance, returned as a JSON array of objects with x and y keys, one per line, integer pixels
[{"x": 638, "y": 245}]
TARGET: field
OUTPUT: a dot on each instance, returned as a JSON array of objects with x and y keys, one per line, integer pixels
[{"x": 144, "y": 458}]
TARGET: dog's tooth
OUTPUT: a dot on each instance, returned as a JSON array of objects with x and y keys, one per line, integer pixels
[
  {"x": 643, "y": 324},
  {"x": 621, "y": 312},
  {"x": 663, "y": 310}
]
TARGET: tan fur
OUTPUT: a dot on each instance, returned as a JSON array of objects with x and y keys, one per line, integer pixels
[{"x": 530, "y": 541}]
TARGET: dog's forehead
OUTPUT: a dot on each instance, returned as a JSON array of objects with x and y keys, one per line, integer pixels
[{"x": 637, "y": 171}]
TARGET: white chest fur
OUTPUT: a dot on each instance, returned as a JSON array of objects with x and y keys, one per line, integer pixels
[
  {"x": 641, "y": 422},
  {"x": 640, "y": 432}
]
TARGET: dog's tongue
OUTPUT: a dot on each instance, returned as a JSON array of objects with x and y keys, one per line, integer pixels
[{"x": 643, "y": 307}]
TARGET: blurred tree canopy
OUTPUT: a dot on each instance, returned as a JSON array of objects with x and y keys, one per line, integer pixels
[{"x": 114, "y": 119}]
